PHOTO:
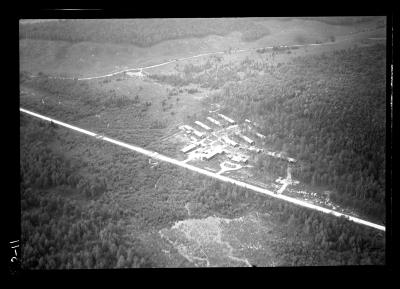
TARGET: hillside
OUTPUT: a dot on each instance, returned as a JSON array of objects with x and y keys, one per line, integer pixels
[
  {"x": 140, "y": 32},
  {"x": 329, "y": 112},
  {"x": 60, "y": 48}
]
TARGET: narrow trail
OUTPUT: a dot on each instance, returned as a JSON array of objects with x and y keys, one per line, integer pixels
[
  {"x": 170, "y": 160},
  {"x": 185, "y": 58}
]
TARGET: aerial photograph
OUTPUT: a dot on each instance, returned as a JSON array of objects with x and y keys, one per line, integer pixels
[{"x": 203, "y": 142}]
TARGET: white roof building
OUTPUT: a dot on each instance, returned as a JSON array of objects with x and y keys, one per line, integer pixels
[
  {"x": 214, "y": 121},
  {"x": 187, "y": 127},
  {"x": 279, "y": 155},
  {"x": 231, "y": 121},
  {"x": 250, "y": 141},
  {"x": 198, "y": 133},
  {"x": 211, "y": 154},
  {"x": 190, "y": 147},
  {"x": 229, "y": 141},
  {"x": 260, "y": 135},
  {"x": 235, "y": 126},
  {"x": 202, "y": 125}
]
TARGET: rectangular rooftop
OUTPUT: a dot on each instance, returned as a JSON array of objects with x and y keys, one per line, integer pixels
[
  {"x": 229, "y": 141},
  {"x": 248, "y": 140},
  {"x": 231, "y": 121},
  {"x": 206, "y": 127},
  {"x": 260, "y": 135},
  {"x": 214, "y": 121},
  {"x": 190, "y": 147}
]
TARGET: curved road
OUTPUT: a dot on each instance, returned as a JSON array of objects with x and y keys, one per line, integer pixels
[
  {"x": 161, "y": 157},
  {"x": 191, "y": 57},
  {"x": 185, "y": 58}
]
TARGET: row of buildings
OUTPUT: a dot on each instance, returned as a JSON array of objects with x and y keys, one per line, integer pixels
[
  {"x": 190, "y": 130},
  {"x": 281, "y": 156},
  {"x": 214, "y": 149}
]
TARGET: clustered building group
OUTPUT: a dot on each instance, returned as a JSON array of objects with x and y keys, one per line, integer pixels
[{"x": 218, "y": 137}]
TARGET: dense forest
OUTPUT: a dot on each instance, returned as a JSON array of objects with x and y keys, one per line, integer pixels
[
  {"x": 214, "y": 73},
  {"x": 327, "y": 111},
  {"x": 58, "y": 230},
  {"x": 314, "y": 238},
  {"x": 333, "y": 20},
  {"x": 140, "y": 32},
  {"x": 344, "y": 20}
]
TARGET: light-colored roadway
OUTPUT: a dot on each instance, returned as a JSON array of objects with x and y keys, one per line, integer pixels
[
  {"x": 160, "y": 157},
  {"x": 190, "y": 57}
]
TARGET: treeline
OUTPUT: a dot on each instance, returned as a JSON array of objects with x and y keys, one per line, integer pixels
[
  {"x": 314, "y": 238},
  {"x": 214, "y": 74},
  {"x": 211, "y": 75},
  {"x": 327, "y": 111},
  {"x": 58, "y": 234},
  {"x": 345, "y": 20},
  {"x": 140, "y": 32},
  {"x": 88, "y": 95}
]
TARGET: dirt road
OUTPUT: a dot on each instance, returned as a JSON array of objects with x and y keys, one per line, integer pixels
[
  {"x": 195, "y": 56},
  {"x": 185, "y": 58}
]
